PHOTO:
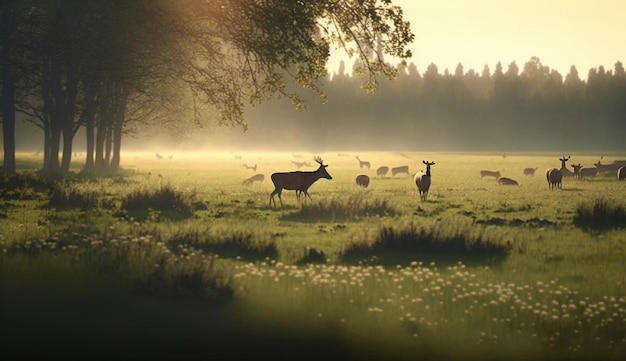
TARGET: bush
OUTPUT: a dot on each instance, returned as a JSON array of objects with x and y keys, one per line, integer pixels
[
  {"x": 64, "y": 195},
  {"x": 601, "y": 213},
  {"x": 450, "y": 240},
  {"x": 232, "y": 243},
  {"x": 164, "y": 199}
]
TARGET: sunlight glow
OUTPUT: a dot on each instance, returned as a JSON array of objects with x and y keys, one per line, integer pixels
[{"x": 484, "y": 32}]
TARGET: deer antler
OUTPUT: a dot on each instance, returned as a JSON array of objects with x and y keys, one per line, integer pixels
[{"x": 319, "y": 160}]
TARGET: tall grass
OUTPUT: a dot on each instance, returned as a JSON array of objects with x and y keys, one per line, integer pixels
[
  {"x": 443, "y": 313},
  {"x": 601, "y": 214},
  {"x": 150, "y": 266},
  {"x": 455, "y": 277},
  {"x": 447, "y": 239},
  {"x": 166, "y": 200},
  {"x": 353, "y": 207}
]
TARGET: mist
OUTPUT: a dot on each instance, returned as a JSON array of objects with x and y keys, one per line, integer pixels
[{"x": 507, "y": 111}]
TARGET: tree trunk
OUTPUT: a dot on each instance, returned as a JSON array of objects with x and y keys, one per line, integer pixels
[
  {"x": 69, "y": 105},
  {"x": 100, "y": 136},
  {"x": 88, "y": 118},
  {"x": 120, "y": 113},
  {"x": 8, "y": 93},
  {"x": 90, "y": 146},
  {"x": 8, "y": 122}
]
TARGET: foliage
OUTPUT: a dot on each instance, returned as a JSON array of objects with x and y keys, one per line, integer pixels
[
  {"x": 431, "y": 110},
  {"x": 601, "y": 214},
  {"x": 67, "y": 64},
  {"x": 450, "y": 240},
  {"x": 164, "y": 199},
  {"x": 23, "y": 185},
  {"x": 244, "y": 245},
  {"x": 149, "y": 266},
  {"x": 64, "y": 195}
]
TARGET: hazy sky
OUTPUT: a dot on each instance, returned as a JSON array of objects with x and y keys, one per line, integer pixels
[{"x": 585, "y": 33}]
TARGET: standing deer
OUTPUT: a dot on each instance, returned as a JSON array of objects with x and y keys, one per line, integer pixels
[
  {"x": 363, "y": 163},
  {"x": 554, "y": 177},
  {"x": 564, "y": 171},
  {"x": 297, "y": 180},
  {"x": 422, "y": 180}
]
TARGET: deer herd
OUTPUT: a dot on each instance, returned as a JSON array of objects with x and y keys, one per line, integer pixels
[{"x": 301, "y": 181}]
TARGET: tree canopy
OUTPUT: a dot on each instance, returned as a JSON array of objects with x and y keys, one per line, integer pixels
[{"x": 98, "y": 64}]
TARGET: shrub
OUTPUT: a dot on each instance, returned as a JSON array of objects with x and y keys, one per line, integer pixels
[
  {"x": 232, "y": 243},
  {"x": 63, "y": 195},
  {"x": 164, "y": 199},
  {"x": 448, "y": 240},
  {"x": 23, "y": 185},
  {"x": 600, "y": 213}
]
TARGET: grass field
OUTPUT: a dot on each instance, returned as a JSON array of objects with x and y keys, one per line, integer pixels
[{"x": 180, "y": 258}]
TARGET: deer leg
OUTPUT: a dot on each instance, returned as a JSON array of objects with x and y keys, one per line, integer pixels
[
  {"x": 272, "y": 196},
  {"x": 280, "y": 198}
]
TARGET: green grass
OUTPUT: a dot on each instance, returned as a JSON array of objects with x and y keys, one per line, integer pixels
[{"x": 180, "y": 252}]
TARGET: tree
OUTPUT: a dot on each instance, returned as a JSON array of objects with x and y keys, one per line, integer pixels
[{"x": 228, "y": 54}]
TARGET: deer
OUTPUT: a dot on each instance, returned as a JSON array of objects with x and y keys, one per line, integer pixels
[
  {"x": 363, "y": 163},
  {"x": 301, "y": 164},
  {"x": 564, "y": 171},
  {"x": 554, "y": 177},
  {"x": 382, "y": 171},
  {"x": 300, "y": 181},
  {"x": 422, "y": 180},
  {"x": 490, "y": 173},
  {"x": 362, "y": 180},
  {"x": 255, "y": 178},
  {"x": 530, "y": 171},
  {"x": 505, "y": 181},
  {"x": 250, "y": 167},
  {"x": 399, "y": 170}
]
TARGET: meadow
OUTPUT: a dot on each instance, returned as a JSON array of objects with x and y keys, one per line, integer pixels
[{"x": 179, "y": 257}]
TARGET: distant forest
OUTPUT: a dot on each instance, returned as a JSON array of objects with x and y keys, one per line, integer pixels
[{"x": 532, "y": 108}]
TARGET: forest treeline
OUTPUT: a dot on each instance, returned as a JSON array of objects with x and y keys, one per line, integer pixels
[{"x": 532, "y": 108}]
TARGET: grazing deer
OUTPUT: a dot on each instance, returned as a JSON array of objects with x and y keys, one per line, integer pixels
[
  {"x": 530, "y": 171},
  {"x": 382, "y": 171},
  {"x": 505, "y": 181},
  {"x": 297, "y": 180},
  {"x": 399, "y": 170},
  {"x": 250, "y": 167},
  {"x": 362, "y": 180},
  {"x": 159, "y": 156},
  {"x": 255, "y": 178},
  {"x": 489, "y": 173},
  {"x": 363, "y": 163}
]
